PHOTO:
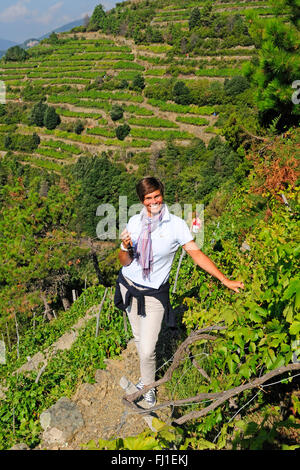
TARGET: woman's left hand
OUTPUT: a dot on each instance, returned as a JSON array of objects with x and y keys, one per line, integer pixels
[{"x": 234, "y": 285}]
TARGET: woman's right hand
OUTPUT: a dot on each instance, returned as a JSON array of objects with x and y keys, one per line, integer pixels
[{"x": 126, "y": 239}]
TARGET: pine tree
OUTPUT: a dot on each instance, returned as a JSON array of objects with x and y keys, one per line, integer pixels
[
  {"x": 195, "y": 18},
  {"x": 51, "y": 118},
  {"x": 38, "y": 113},
  {"x": 122, "y": 131},
  {"x": 181, "y": 93},
  {"x": 278, "y": 66},
  {"x": 98, "y": 16}
]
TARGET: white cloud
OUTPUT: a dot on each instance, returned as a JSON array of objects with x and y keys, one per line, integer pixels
[
  {"x": 50, "y": 14},
  {"x": 19, "y": 11},
  {"x": 15, "y": 12},
  {"x": 108, "y": 4}
]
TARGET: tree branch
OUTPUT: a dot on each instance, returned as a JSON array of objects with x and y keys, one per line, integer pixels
[
  {"x": 235, "y": 391},
  {"x": 192, "y": 338},
  {"x": 218, "y": 398}
]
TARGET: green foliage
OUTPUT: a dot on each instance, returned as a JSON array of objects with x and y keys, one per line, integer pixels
[
  {"x": 38, "y": 113},
  {"x": 37, "y": 266},
  {"x": 16, "y": 54},
  {"x": 276, "y": 69},
  {"x": 138, "y": 82},
  {"x": 122, "y": 131},
  {"x": 26, "y": 400},
  {"x": 251, "y": 435},
  {"x": 33, "y": 92},
  {"x": 164, "y": 437},
  {"x": 78, "y": 127},
  {"x": 195, "y": 18},
  {"x": 116, "y": 112},
  {"x": 44, "y": 115},
  {"x": 235, "y": 85},
  {"x": 19, "y": 142},
  {"x": 98, "y": 17},
  {"x": 100, "y": 182},
  {"x": 51, "y": 118},
  {"x": 181, "y": 93},
  {"x": 53, "y": 39}
]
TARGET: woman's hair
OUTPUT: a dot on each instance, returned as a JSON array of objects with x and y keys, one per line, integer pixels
[{"x": 148, "y": 185}]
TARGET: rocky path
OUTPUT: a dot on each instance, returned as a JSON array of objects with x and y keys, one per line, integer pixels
[{"x": 99, "y": 408}]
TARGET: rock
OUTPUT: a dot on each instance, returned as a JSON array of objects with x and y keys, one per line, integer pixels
[
  {"x": 245, "y": 247},
  {"x": 20, "y": 446},
  {"x": 61, "y": 421}
]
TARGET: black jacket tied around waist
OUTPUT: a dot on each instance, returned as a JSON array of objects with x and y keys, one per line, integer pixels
[{"x": 161, "y": 294}]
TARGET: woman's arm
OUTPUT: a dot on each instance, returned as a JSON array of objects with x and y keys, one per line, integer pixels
[
  {"x": 206, "y": 263},
  {"x": 125, "y": 258},
  {"x": 125, "y": 255}
]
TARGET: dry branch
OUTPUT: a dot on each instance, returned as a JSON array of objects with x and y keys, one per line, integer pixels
[
  {"x": 200, "y": 369},
  {"x": 182, "y": 349},
  {"x": 218, "y": 398},
  {"x": 235, "y": 391}
]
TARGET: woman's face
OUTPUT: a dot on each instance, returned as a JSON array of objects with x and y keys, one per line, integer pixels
[{"x": 153, "y": 202}]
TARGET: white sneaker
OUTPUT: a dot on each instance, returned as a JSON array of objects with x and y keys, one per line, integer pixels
[
  {"x": 149, "y": 397},
  {"x": 139, "y": 385}
]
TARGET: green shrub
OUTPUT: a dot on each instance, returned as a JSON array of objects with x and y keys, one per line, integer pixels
[
  {"x": 16, "y": 54},
  {"x": 235, "y": 85},
  {"x": 79, "y": 127},
  {"x": 116, "y": 112},
  {"x": 51, "y": 118},
  {"x": 122, "y": 131},
  {"x": 181, "y": 93},
  {"x": 138, "y": 82}
]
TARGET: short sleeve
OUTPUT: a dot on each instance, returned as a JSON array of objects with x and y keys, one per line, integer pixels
[
  {"x": 183, "y": 233},
  {"x": 133, "y": 227}
]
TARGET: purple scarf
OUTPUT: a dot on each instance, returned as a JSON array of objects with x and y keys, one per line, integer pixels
[{"x": 144, "y": 243}]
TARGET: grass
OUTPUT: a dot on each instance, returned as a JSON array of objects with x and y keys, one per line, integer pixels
[
  {"x": 152, "y": 122},
  {"x": 196, "y": 121}
]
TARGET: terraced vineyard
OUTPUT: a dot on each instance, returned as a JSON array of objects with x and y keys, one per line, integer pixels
[
  {"x": 201, "y": 94},
  {"x": 85, "y": 74}
]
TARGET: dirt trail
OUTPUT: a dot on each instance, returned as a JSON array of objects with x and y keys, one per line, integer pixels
[{"x": 104, "y": 414}]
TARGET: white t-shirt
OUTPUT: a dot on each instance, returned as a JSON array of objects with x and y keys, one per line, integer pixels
[{"x": 171, "y": 233}]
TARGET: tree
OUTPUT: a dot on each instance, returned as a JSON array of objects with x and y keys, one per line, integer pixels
[
  {"x": 122, "y": 131},
  {"x": 41, "y": 227},
  {"x": 278, "y": 67},
  {"x": 2, "y": 110},
  {"x": 51, "y": 118},
  {"x": 79, "y": 127},
  {"x": 116, "y": 112},
  {"x": 235, "y": 85},
  {"x": 138, "y": 82},
  {"x": 53, "y": 38},
  {"x": 98, "y": 16},
  {"x": 195, "y": 18},
  {"x": 181, "y": 93},
  {"x": 37, "y": 114},
  {"x": 16, "y": 54},
  {"x": 100, "y": 181}
]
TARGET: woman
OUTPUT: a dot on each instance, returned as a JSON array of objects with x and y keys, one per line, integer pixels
[{"x": 148, "y": 247}]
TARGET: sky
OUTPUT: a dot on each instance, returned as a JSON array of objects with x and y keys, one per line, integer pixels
[{"x": 25, "y": 19}]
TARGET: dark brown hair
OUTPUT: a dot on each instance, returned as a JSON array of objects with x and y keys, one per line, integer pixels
[{"x": 148, "y": 185}]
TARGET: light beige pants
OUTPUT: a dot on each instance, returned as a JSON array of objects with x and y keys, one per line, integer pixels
[{"x": 145, "y": 331}]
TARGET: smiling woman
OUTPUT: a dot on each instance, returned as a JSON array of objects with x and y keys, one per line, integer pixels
[{"x": 148, "y": 247}]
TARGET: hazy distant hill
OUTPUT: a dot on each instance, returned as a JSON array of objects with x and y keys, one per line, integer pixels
[
  {"x": 63, "y": 28},
  {"x": 5, "y": 44}
]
